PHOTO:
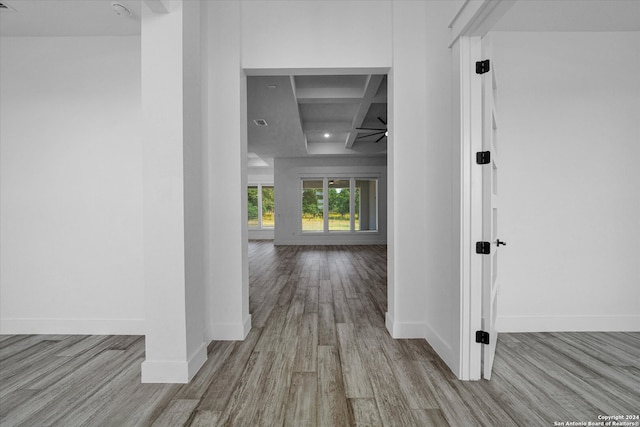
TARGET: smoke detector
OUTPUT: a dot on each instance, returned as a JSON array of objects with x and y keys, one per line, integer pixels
[{"x": 120, "y": 9}]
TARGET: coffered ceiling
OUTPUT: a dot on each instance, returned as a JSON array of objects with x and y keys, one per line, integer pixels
[{"x": 317, "y": 115}]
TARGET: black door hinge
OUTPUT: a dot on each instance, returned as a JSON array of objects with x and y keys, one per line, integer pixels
[
  {"x": 482, "y": 337},
  {"x": 483, "y": 157},
  {"x": 483, "y": 247},
  {"x": 482, "y": 66}
]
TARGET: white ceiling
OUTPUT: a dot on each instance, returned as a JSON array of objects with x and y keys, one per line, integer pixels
[
  {"x": 572, "y": 16},
  {"x": 317, "y": 115},
  {"x": 68, "y": 18},
  {"x": 95, "y": 17}
]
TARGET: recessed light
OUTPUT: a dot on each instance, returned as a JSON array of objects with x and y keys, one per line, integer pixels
[
  {"x": 272, "y": 86},
  {"x": 327, "y": 135},
  {"x": 260, "y": 122}
]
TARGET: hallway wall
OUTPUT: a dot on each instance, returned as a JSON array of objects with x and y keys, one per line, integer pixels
[
  {"x": 71, "y": 186},
  {"x": 569, "y": 138}
]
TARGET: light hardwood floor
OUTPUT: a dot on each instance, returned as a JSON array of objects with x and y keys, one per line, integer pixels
[{"x": 319, "y": 355}]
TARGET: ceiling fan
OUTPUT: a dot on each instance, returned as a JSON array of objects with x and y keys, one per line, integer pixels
[{"x": 381, "y": 132}]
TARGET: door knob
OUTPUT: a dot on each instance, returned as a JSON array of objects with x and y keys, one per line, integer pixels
[{"x": 500, "y": 242}]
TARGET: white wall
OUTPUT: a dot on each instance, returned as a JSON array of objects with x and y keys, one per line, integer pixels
[
  {"x": 569, "y": 186},
  {"x": 71, "y": 186},
  {"x": 227, "y": 292},
  {"x": 410, "y": 39},
  {"x": 288, "y": 173},
  {"x": 173, "y": 173},
  {"x": 313, "y": 34}
]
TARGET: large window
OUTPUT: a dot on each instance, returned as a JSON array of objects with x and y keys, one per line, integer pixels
[
  {"x": 312, "y": 205},
  {"x": 339, "y": 205},
  {"x": 352, "y": 204},
  {"x": 267, "y": 207},
  {"x": 366, "y": 205},
  {"x": 252, "y": 206},
  {"x": 260, "y": 206}
]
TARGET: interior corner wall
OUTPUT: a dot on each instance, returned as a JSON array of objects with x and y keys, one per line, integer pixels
[
  {"x": 569, "y": 185},
  {"x": 424, "y": 301},
  {"x": 289, "y": 171},
  {"x": 227, "y": 316},
  {"x": 71, "y": 186}
]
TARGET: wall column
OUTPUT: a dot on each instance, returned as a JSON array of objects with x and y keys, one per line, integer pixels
[
  {"x": 175, "y": 348},
  {"x": 225, "y": 132}
]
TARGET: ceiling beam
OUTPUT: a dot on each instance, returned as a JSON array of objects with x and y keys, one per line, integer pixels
[
  {"x": 371, "y": 88},
  {"x": 356, "y": 100}
]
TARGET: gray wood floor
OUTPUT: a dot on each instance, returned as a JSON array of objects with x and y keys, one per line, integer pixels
[{"x": 318, "y": 355}]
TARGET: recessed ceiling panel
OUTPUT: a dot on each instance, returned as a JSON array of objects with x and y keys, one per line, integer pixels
[
  {"x": 327, "y": 112},
  {"x": 327, "y": 137}
]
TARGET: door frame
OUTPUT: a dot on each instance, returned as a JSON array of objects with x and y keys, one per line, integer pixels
[{"x": 472, "y": 22}]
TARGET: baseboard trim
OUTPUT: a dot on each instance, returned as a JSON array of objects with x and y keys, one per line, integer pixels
[
  {"x": 197, "y": 360},
  {"x": 440, "y": 346},
  {"x": 231, "y": 331},
  {"x": 13, "y": 326},
  {"x": 508, "y": 324},
  {"x": 404, "y": 330}
]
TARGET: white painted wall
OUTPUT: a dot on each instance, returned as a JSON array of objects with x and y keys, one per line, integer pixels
[
  {"x": 288, "y": 173},
  {"x": 227, "y": 293},
  {"x": 569, "y": 140},
  {"x": 425, "y": 301},
  {"x": 71, "y": 186},
  {"x": 410, "y": 38},
  {"x": 329, "y": 34},
  {"x": 172, "y": 171}
]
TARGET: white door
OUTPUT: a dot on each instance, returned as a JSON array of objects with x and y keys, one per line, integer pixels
[{"x": 490, "y": 214}]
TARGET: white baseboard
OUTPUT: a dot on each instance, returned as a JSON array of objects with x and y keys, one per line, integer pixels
[
  {"x": 197, "y": 359},
  {"x": 174, "y": 372},
  {"x": 72, "y": 326},
  {"x": 440, "y": 346},
  {"x": 230, "y": 331},
  {"x": 405, "y": 330},
  {"x": 567, "y": 323}
]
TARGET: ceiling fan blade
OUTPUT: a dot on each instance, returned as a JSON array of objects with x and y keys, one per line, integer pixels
[
  {"x": 369, "y": 129},
  {"x": 378, "y": 140},
  {"x": 370, "y": 134},
  {"x": 383, "y": 122}
]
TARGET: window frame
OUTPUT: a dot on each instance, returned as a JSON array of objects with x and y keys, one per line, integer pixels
[
  {"x": 352, "y": 178},
  {"x": 260, "y": 213}
]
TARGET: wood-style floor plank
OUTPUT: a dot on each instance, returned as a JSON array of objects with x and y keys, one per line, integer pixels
[
  {"x": 332, "y": 400},
  {"x": 318, "y": 355},
  {"x": 301, "y": 406}
]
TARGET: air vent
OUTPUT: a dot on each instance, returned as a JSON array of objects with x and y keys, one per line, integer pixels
[
  {"x": 4, "y": 7},
  {"x": 260, "y": 122}
]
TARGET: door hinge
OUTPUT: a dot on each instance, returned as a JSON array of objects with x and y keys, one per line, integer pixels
[
  {"x": 483, "y": 247},
  {"x": 482, "y": 66},
  {"x": 483, "y": 157},
  {"x": 482, "y": 337}
]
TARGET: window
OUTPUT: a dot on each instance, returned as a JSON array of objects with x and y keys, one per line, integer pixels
[
  {"x": 267, "y": 207},
  {"x": 260, "y": 206},
  {"x": 312, "y": 205},
  {"x": 252, "y": 206},
  {"x": 352, "y": 204},
  {"x": 366, "y": 205},
  {"x": 339, "y": 205}
]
